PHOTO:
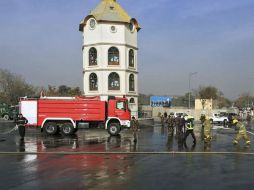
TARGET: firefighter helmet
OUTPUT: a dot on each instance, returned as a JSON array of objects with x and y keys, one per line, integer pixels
[{"x": 235, "y": 121}]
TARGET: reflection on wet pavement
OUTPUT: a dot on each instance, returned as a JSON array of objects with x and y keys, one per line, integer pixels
[{"x": 124, "y": 171}]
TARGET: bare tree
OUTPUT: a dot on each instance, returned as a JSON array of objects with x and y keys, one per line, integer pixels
[
  {"x": 244, "y": 100},
  {"x": 12, "y": 87},
  {"x": 62, "y": 90},
  {"x": 208, "y": 92},
  {"x": 211, "y": 92}
]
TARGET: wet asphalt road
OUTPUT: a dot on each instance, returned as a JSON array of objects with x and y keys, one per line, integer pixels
[{"x": 123, "y": 171}]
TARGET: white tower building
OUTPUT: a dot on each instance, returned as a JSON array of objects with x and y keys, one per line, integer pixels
[{"x": 110, "y": 64}]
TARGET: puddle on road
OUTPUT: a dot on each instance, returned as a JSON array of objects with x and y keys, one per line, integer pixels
[
  {"x": 150, "y": 139},
  {"x": 76, "y": 143}
]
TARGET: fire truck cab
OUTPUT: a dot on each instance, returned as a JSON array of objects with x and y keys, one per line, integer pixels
[{"x": 67, "y": 114}]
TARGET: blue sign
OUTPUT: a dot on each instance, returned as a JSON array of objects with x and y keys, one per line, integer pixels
[{"x": 160, "y": 101}]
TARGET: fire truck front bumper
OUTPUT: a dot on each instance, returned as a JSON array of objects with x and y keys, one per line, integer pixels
[{"x": 126, "y": 123}]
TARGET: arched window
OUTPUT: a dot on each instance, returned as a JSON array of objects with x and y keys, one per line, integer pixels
[
  {"x": 93, "y": 82},
  {"x": 92, "y": 56},
  {"x": 132, "y": 101},
  {"x": 131, "y": 83},
  {"x": 113, "y": 81},
  {"x": 131, "y": 58},
  {"x": 113, "y": 56}
]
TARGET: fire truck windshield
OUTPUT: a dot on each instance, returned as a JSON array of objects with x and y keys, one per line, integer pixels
[{"x": 121, "y": 105}]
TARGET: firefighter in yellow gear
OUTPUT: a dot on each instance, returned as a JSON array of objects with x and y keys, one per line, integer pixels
[
  {"x": 207, "y": 130},
  {"x": 241, "y": 132},
  {"x": 189, "y": 129}
]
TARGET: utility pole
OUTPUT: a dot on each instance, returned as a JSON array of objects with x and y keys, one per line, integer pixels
[{"x": 190, "y": 75}]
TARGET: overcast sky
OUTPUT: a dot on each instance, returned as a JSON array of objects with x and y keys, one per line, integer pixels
[{"x": 39, "y": 39}]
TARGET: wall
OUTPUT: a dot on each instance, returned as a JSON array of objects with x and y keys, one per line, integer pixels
[
  {"x": 195, "y": 113},
  {"x": 201, "y": 104}
]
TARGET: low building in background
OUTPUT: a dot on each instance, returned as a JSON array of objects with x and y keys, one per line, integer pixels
[{"x": 203, "y": 104}]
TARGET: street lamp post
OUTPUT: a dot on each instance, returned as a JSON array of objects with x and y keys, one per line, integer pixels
[{"x": 190, "y": 75}]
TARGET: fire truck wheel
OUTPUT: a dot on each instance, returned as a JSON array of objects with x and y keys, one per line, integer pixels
[
  {"x": 50, "y": 128},
  {"x": 67, "y": 129},
  {"x": 114, "y": 129}
]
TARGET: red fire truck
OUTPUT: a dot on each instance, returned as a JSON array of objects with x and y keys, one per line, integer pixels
[{"x": 67, "y": 114}]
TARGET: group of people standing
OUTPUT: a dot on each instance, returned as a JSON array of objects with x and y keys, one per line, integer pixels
[
  {"x": 181, "y": 126},
  {"x": 184, "y": 126}
]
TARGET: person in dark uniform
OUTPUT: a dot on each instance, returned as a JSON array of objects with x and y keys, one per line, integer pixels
[
  {"x": 21, "y": 121},
  {"x": 248, "y": 119},
  {"x": 182, "y": 125},
  {"x": 134, "y": 127},
  {"x": 202, "y": 120},
  {"x": 178, "y": 125},
  {"x": 165, "y": 115},
  {"x": 162, "y": 120},
  {"x": 170, "y": 122},
  {"x": 230, "y": 120}
]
